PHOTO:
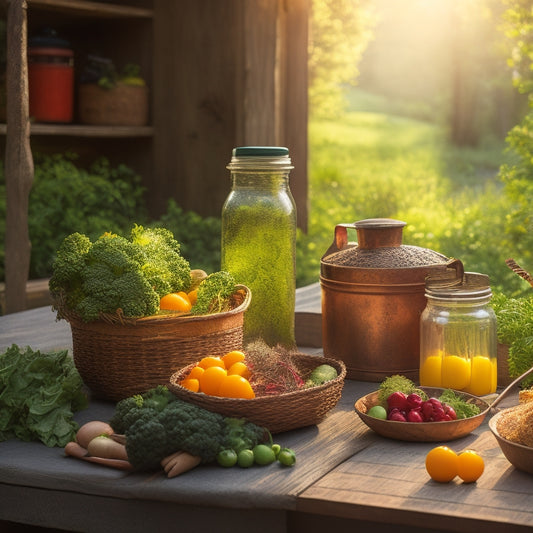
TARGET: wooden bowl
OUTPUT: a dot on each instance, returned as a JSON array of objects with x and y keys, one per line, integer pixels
[
  {"x": 422, "y": 431},
  {"x": 520, "y": 456}
]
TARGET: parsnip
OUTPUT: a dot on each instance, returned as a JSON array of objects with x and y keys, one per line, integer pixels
[{"x": 105, "y": 447}]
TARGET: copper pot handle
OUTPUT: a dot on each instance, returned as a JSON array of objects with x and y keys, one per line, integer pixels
[{"x": 340, "y": 240}]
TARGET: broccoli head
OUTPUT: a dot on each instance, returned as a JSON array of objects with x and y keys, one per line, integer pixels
[
  {"x": 118, "y": 275},
  {"x": 157, "y": 425},
  {"x": 133, "y": 408},
  {"x": 113, "y": 279},
  {"x": 214, "y": 294},
  {"x": 163, "y": 266},
  {"x": 67, "y": 268}
]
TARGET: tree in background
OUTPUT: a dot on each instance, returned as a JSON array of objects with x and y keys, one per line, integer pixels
[
  {"x": 518, "y": 177},
  {"x": 339, "y": 33}
]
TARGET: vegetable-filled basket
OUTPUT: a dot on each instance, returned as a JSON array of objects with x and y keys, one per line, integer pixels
[
  {"x": 120, "y": 358},
  {"x": 277, "y": 412}
]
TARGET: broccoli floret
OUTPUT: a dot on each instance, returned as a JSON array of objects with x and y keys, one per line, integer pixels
[
  {"x": 67, "y": 268},
  {"x": 115, "y": 274},
  {"x": 147, "y": 405},
  {"x": 164, "y": 267},
  {"x": 193, "y": 429},
  {"x": 152, "y": 434},
  {"x": 243, "y": 435},
  {"x": 143, "y": 433},
  {"x": 132, "y": 404},
  {"x": 214, "y": 294},
  {"x": 113, "y": 279}
]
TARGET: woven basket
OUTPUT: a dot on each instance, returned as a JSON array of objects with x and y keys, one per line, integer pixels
[
  {"x": 124, "y": 105},
  {"x": 280, "y": 412},
  {"x": 117, "y": 360}
]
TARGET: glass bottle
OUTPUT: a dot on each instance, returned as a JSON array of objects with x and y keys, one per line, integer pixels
[
  {"x": 259, "y": 240},
  {"x": 458, "y": 342}
]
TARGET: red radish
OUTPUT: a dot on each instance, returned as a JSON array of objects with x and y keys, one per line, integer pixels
[{"x": 397, "y": 400}]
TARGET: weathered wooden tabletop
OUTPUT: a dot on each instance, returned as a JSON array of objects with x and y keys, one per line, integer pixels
[{"x": 346, "y": 476}]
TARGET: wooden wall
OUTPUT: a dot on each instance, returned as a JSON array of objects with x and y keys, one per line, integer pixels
[{"x": 226, "y": 73}]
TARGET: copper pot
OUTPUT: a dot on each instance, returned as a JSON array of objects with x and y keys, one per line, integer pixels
[{"x": 373, "y": 293}]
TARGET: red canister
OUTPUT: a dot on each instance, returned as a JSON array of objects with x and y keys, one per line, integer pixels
[{"x": 51, "y": 81}]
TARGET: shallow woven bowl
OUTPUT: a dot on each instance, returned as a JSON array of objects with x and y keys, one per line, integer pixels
[
  {"x": 117, "y": 360},
  {"x": 520, "y": 456},
  {"x": 422, "y": 431},
  {"x": 280, "y": 412}
]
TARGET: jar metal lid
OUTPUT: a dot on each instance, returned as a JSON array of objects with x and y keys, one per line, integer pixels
[
  {"x": 472, "y": 286},
  {"x": 260, "y": 157}
]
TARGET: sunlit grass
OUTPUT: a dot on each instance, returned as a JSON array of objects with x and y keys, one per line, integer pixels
[{"x": 370, "y": 165}]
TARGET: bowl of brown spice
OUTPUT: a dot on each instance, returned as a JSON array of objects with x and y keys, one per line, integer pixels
[{"x": 513, "y": 427}]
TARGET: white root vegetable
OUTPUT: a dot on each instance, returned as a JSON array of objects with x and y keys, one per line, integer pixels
[
  {"x": 106, "y": 448},
  {"x": 179, "y": 462},
  {"x": 90, "y": 430}
]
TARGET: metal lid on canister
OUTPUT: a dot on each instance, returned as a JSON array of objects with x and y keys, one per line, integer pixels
[
  {"x": 260, "y": 157},
  {"x": 471, "y": 286}
]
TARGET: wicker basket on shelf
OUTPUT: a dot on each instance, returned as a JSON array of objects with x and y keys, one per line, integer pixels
[
  {"x": 279, "y": 412},
  {"x": 123, "y": 105},
  {"x": 120, "y": 358}
]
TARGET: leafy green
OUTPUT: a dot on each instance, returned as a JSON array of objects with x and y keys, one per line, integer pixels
[
  {"x": 462, "y": 408},
  {"x": 39, "y": 392},
  {"x": 398, "y": 383},
  {"x": 515, "y": 328}
]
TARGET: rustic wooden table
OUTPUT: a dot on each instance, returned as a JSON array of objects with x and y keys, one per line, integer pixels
[{"x": 346, "y": 476}]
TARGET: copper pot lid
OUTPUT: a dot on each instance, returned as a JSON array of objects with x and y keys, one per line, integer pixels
[{"x": 379, "y": 246}]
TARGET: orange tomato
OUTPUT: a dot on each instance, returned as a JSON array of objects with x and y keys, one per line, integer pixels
[
  {"x": 211, "y": 380},
  {"x": 175, "y": 302},
  {"x": 235, "y": 356},
  {"x": 193, "y": 296},
  {"x": 191, "y": 384},
  {"x": 236, "y": 386},
  {"x": 240, "y": 369},
  {"x": 470, "y": 466},
  {"x": 195, "y": 372},
  {"x": 442, "y": 464},
  {"x": 211, "y": 360}
]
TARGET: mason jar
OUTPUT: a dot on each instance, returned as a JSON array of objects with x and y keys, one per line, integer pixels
[
  {"x": 259, "y": 241},
  {"x": 458, "y": 337}
]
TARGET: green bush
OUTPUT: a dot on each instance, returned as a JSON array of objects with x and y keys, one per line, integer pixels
[
  {"x": 199, "y": 236},
  {"x": 66, "y": 198}
]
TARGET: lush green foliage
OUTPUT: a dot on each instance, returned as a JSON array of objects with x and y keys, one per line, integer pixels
[
  {"x": 66, "y": 198},
  {"x": 39, "y": 394},
  {"x": 375, "y": 165},
  {"x": 339, "y": 32},
  {"x": 518, "y": 176},
  {"x": 199, "y": 236}
]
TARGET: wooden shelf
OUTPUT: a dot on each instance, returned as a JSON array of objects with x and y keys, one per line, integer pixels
[
  {"x": 91, "y": 9},
  {"x": 80, "y": 130}
]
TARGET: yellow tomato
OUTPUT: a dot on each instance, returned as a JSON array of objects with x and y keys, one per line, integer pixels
[
  {"x": 470, "y": 466},
  {"x": 442, "y": 464}
]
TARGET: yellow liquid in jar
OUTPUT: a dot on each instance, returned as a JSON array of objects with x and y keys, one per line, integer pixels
[
  {"x": 456, "y": 372},
  {"x": 430, "y": 371},
  {"x": 484, "y": 376}
]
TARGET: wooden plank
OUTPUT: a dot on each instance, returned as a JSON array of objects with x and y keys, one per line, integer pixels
[
  {"x": 308, "y": 316},
  {"x": 387, "y": 482},
  {"x": 98, "y": 9},
  {"x": 18, "y": 160},
  {"x": 294, "y": 89}
]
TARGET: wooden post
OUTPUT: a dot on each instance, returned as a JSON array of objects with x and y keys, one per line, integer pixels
[{"x": 18, "y": 159}]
